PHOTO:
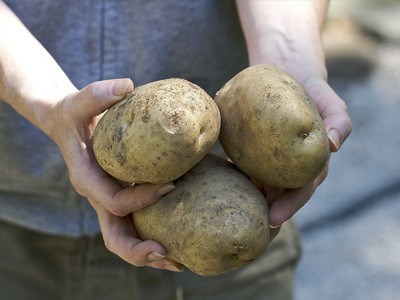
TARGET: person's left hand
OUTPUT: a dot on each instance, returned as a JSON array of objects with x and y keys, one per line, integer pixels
[
  {"x": 73, "y": 121},
  {"x": 284, "y": 203}
]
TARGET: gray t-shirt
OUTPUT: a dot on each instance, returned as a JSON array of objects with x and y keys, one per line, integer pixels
[{"x": 146, "y": 40}]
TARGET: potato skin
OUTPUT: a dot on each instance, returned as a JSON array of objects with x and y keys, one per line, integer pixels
[
  {"x": 271, "y": 129},
  {"x": 214, "y": 221},
  {"x": 157, "y": 133}
]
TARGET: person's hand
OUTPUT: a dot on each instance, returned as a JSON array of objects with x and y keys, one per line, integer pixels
[
  {"x": 288, "y": 35},
  {"x": 284, "y": 203},
  {"x": 73, "y": 122}
]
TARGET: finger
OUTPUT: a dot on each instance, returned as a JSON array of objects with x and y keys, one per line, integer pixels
[
  {"x": 291, "y": 200},
  {"x": 273, "y": 232},
  {"x": 333, "y": 111},
  {"x": 91, "y": 181},
  {"x": 167, "y": 264},
  {"x": 156, "y": 260},
  {"x": 119, "y": 200},
  {"x": 141, "y": 195},
  {"x": 119, "y": 240},
  {"x": 271, "y": 194},
  {"x": 98, "y": 96},
  {"x": 127, "y": 200}
]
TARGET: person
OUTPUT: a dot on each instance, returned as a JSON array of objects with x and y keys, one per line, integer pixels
[{"x": 62, "y": 64}]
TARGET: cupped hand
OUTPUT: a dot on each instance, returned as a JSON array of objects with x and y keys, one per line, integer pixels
[
  {"x": 73, "y": 122},
  {"x": 284, "y": 203}
]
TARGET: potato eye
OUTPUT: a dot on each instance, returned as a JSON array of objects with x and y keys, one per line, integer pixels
[{"x": 303, "y": 135}]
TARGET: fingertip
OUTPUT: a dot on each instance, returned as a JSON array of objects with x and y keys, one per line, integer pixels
[
  {"x": 334, "y": 140},
  {"x": 339, "y": 132},
  {"x": 282, "y": 210},
  {"x": 149, "y": 246},
  {"x": 278, "y": 214},
  {"x": 277, "y": 218},
  {"x": 167, "y": 264},
  {"x": 174, "y": 267},
  {"x": 164, "y": 189},
  {"x": 122, "y": 86},
  {"x": 271, "y": 226},
  {"x": 122, "y": 201},
  {"x": 157, "y": 257},
  {"x": 101, "y": 95},
  {"x": 273, "y": 232},
  {"x": 154, "y": 256},
  {"x": 144, "y": 253}
]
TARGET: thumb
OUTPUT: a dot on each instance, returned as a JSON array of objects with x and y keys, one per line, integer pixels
[
  {"x": 98, "y": 96},
  {"x": 333, "y": 111}
]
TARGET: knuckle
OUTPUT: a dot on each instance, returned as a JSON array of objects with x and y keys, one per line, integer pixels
[
  {"x": 115, "y": 209},
  {"x": 108, "y": 244},
  {"x": 135, "y": 260},
  {"x": 76, "y": 182},
  {"x": 91, "y": 89}
]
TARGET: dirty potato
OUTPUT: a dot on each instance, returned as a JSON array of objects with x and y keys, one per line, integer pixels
[
  {"x": 214, "y": 221},
  {"x": 271, "y": 129},
  {"x": 157, "y": 133}
]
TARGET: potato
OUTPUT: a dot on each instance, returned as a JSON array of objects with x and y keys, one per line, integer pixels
[
  {"x": 271, "y": 129},
  {"x": 214, "y": 221},
  {"x": 157, "y": 133}
]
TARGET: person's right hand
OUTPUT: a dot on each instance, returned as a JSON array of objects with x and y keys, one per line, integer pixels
[
  {"x": 37, "y": 88},
  {"x": 74, "y": 119}
]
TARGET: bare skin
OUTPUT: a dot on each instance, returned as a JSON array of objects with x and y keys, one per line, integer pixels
[
  {"x": 37, "y": 88},
  {"x": 288, "y": 35}
]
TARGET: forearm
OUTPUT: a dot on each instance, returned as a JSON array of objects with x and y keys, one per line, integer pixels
[
  {"x": 285, "y": 32},
  {"x": 30, "y": 79}
]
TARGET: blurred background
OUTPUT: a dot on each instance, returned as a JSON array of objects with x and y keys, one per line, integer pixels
[{"x": 351, "y": 227}]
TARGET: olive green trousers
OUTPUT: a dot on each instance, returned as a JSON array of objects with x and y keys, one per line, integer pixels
[{"x": 38, "y": 266}]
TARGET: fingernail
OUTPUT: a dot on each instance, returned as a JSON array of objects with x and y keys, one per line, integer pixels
[
  {"x": 334, "y": 137},
  {"x": 120, "y": 87},
  {"x": 154, "y": 256},
  {"x": 165, "y": 189},
  {"x": 173, "y": 268},
  {"x": 274, "y": 226}
]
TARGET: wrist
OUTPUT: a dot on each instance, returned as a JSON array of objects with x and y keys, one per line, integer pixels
[
  {"x": 47, "y": 115},
  {"x": 286, "y": 34},
  {"x": 31, "y": 81},
  {"x": 37, "y": 104},
  {"x": 301, "y": 56}
]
